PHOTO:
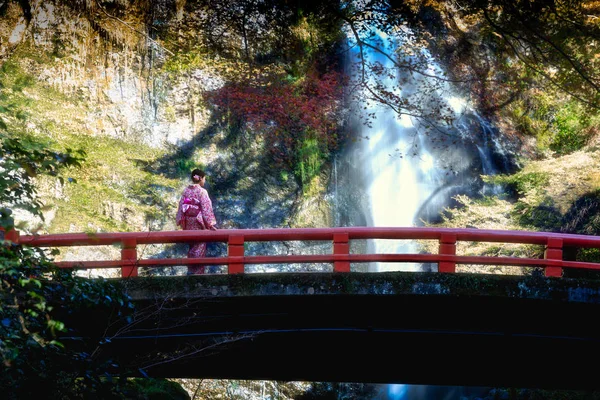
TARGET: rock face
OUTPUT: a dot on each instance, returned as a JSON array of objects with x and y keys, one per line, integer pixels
[{"x": 103, "y": 65}]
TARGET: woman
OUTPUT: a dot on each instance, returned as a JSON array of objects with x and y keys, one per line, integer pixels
[{"x": 195, "y": 213}]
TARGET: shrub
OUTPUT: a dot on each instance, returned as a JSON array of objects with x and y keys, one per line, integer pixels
[{"x": 571, "y": 123}]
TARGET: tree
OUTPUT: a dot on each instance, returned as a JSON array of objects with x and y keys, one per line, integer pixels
[
  {"x": 22, "y": 161},
  {"x": 555, "y": 41},
  {"x": 36, "y": 298},
  {"x": 32, "y": 290},
  {"x": 291, "y": 116}
]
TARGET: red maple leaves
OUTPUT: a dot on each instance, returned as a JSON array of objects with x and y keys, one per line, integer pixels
[{"x": 286, "y": 112}]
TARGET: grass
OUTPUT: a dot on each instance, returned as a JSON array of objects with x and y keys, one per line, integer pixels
[
  {"x": 569, "y": 176},
  {"x": 116, "y": 189}
]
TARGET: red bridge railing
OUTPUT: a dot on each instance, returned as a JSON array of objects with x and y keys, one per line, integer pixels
[{"x": 340, "y": 238}]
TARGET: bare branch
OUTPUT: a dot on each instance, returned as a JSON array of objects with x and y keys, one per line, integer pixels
[{"x": 197, "y": 351}]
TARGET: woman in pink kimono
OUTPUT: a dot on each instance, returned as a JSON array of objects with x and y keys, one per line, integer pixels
[{"x": 194, "y": 213}]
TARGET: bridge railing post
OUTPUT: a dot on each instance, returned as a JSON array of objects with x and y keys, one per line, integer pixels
[
  {"x": 235, "y": 248},
  {"x": 129, "y": 254},
  {"x": 447, "y": 247},
  {"x": 554, "y": 251},
  {"x": 341, "y": 246}
]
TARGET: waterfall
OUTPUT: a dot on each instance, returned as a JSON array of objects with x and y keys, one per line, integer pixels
[
  {"x": 394, "y": 181},
  {"x": 407, "y": 168}
]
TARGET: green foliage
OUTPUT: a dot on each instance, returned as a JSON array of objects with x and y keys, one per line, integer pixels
[
  {"x": 309, "y": 160},
  {"x": 185, "y": 165},
  {"x": 8, "y": 68},
  {"x": 185, "y": 60},
  {"x": 532, "y": 115},
  {"x": 154, "y": 389},
  {"x": 115, "y": 175},
  {"x": 23, "y": 158},
  {"x": 22, "y": 161},
  {"x": 14, "y": 78},
  {"x": 571, "y": 123},
  {"x": 559, "y": 125},
  {"x": 521, "y": 182},
  {"x": 25, "y": 324},
  {"x": 589, "y": 255},
  {"x": 543, "y": 216},
  {"x": 533, "y": 208},
  {"x": 33, "y": 296}
]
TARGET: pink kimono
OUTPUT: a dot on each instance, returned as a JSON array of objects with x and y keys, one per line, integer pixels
[{"x": 196, "y": 196}]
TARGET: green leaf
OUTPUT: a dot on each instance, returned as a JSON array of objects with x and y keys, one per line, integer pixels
[
  {"x": 57, "y": 325},
  {"x": 57, "y": 344}
]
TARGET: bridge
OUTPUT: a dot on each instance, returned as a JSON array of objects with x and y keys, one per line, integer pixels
[{"x": 439, "y": 327}]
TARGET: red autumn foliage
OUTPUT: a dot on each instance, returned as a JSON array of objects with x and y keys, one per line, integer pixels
[{"x": 286, "y": 112}]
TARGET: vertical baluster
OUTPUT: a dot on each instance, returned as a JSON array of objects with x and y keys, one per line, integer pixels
[
  {"x": 447, "y": 247},
  {"x": 129, "y": 253},
  {"x": 554, "y": 251},
  {"x": 235, "y": 248},
  {"x": 341, "y": 247}
]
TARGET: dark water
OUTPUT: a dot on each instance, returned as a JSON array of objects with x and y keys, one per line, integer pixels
[{"x": 413, "y": 392}]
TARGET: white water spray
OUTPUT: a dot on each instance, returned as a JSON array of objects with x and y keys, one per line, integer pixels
[
  {"x": 404, "y": 174},
  {"x": 400, "y": 172}
]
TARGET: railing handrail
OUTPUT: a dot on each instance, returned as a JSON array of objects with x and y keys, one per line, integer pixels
[
  {"x": 340, "y": 237},
  {"x": 291, "y": 234}
]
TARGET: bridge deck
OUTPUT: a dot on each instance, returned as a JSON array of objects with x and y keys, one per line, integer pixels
[{"x": 421, "y": 328}]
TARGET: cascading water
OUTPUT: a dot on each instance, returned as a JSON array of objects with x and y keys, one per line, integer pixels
[
  {"x": 406, "y": 171},
  {"x": 395, "y": 190}
]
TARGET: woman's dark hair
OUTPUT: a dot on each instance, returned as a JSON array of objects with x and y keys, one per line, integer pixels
[{"x": 199, "y": 173}]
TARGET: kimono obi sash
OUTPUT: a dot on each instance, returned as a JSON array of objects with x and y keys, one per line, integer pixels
[{"x": 190, "y": 207}]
